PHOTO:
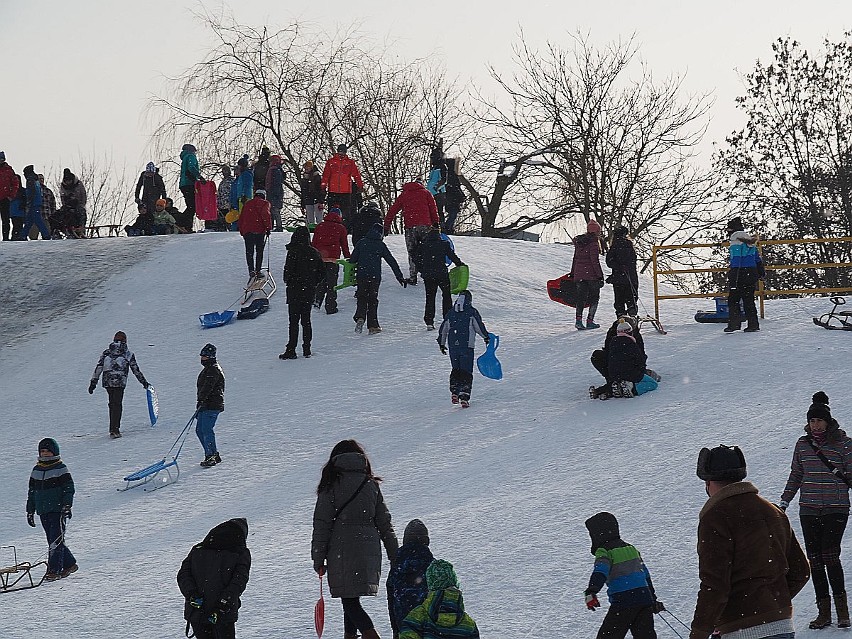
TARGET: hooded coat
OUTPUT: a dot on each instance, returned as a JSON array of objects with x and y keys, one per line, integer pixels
[
  {"x": 255, "y": 217},
  {"x": 8, "y": 182},
  {"x": 407, "y": 579},
  {"x": 51, "y": 487},
  {"x": 367, "y": 217},
  {"x": 434, "y": 252},
  {"x": 150, "y": 188},
  {"x": 189, "y": 171},
  {"x": 303, "y": 268},
  {"x": 210, "y": 386},
  {"x": 217, "y": 569},
  {"x": 72, "y": 193},
  {"x": 625, "y": 359},
  {"x": 417, "y": 205},
  {"x": 115, "y": 363},
  {"x": 338, "y": 174},
  {"x": 621, "y": 258},
  {"x": 330, "y": 238},
  {"x": 368, "y": 255},
  {"x": 587, "y": 264},
  {"x": 440, "y": 616},
  {"x": 462, "y": 324},
  {"x": 274, "y": 183},
  {"x": 350, "y": 541},
  {"x": 243, "y": 187},
  {"x": 310, "y": 185}
]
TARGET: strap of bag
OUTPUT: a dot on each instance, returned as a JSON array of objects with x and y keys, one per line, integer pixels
[
  {"x": 349, "y": 501},
  {"x": 831, "y": 467}
]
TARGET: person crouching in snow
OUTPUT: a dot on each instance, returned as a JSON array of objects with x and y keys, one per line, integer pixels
[
  {"x": 458, "y": 333},
  {"x": 303, "y": 271},
  {"x": 625, "y": 365},
  {"x": 441, "y": 615},
  {"x": 50, "y": 496},
  {"x": 632, "y": 600},
  {"x": 210, "y": 402},
  {"x": 407, "y": 578},
  {"x": 600, "y": 359},
  {"x": 368, "y": 254},
  {"x": 212, "y": 578},
  {"x": 113, "y": 366}
]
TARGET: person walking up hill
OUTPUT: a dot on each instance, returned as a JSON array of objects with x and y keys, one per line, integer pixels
[
  {"x": 303, "y": 271},
  {"x": 368, "y": 255},
  {"x": 330, "y": 240},
  {"x": 113, "y": 367},
  {"x": 588, "y": 274}
]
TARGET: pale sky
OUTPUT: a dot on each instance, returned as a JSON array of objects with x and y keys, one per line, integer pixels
[{"x": 77, "y": 74}]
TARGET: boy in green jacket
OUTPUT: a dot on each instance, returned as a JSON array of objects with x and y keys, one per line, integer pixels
[
  {"x": 441, "y": 615},
  {"x": 51, "y": 495}
]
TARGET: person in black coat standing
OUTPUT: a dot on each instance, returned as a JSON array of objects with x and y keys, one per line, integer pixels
[
  {"x": 303, "y": 271},
  {"x": 432, "y": 257},
  {"x": 368, "y": 216},
  {"x": 212, "y": 578},
  {"x": 368, "y": 255},
  {"x": 621, "y": 258}
]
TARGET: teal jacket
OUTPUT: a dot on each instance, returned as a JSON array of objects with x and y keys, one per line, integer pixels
[
  {"x": 51, "y": 487},
  {"x": 189, "y": 171}
]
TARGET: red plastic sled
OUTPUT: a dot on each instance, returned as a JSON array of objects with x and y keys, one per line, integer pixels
[
  {"x": 205, "y": 201},
  {"x": 563, "y": 290}
]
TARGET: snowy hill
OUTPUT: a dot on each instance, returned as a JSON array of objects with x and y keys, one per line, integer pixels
[{"x": 504, "y": 486}]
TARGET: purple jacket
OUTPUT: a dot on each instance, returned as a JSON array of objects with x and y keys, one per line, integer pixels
[{"x": 587, "y": 258}]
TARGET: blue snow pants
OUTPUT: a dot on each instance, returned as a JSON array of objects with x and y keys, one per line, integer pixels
[
  {"x": 461, "y": 377},
  {"x": 204, "y": 429}
]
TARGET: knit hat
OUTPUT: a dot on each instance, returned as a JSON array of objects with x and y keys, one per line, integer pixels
[
  {"x": 119, "y": 337},
  {"x": 189, "y": 148},
  {"x": 624, "y": 326},
  {"x": 260, "y": 193},
  {"x": 342, "y": 148},
  {"x": 735, "y": 224},
  {"x": 602, "y": 528},
  {"x": 820, "y": 407},
  {"x": 208, "y": 351},
  {"x": 621, "y": 231},
  {"x": 335, "y": 209},
  {"x": 593, "y": 227},
  {"x": 2, "y": 156},
  {"x": 308, "y": 165},
  {"x": 150, "y": 167},
  {"x": 161, "y": 202},
  {"x": 723, "y": 463},
  {"x": 243, "y": 161},
  {"x": 29, "y": 170},
  {"x": 440, "y": 575},
  {"x": 416, "y": 533},
  {"x": 48, "y": 443}
]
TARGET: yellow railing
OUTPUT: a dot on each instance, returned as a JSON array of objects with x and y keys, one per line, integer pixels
[{"x": 761, "y": 292}]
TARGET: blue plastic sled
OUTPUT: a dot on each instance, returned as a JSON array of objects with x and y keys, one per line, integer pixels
[
  {"x": 153, "y": 405},
  {"x": 212, "y": 320},
  {"x": 487, "y": 363},
  {"x": 647, "y": 384}
]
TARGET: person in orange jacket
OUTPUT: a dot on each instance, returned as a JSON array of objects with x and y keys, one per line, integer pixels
[
  {"x": 255, "y": 224},
  {"x": 337, "y": 177}
]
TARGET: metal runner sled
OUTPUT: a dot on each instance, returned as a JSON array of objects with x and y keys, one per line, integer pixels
[
  {"x": 168, "y": 465},
  {"x": 18, "y": 576},
  {"x": 836, "y": 320}
]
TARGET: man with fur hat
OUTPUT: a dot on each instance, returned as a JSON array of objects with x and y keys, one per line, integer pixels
[
  {"x": 442, "y": 614},
  {"x": 632, "y": 600},
  {"x": 312, "y": 193},
  {"x": 749, "y": 562},
  {"x": 746, "y": 268},
  {"x": 821, "y": 472},
  {"x": 113, "y": 367},
  {"x": 588, "y": 274},
  {"x": 407, "y": 578},
  {"x": 210, "y": 402},
  {"x": 213, "y": 577},
  {"x": 50, "y": 496}
]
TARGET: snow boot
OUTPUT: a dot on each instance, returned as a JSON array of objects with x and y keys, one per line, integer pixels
[
  {"x": 52, "y": 576},
  {"x": 370, "y": 634},
  {"x": 373, "y": 330},
  {"x": 330, "y": 311},
  {"x": 454, "y": 398},
  {"x": 579, "y": 324},
  {"x": 69, "y": 571},
  {"x": 653, "y": 375},
  {"x": 208, "y": 462},
  {"x": 114, "y": 434},
  {"x": 841, "y": 605},
  {"x": 823, "y": 618},
  {"x": 753, "y": 325},
  {"x": 290, "y": 353},
  {"x": 593, "y": 392},
  {"x": 217, "y": 458},
  {"x": 590, "y": 324},
  {"x": 359, "y": 325},
  {"x": 615, "y": 389},
  {"x": 430, "y": 327},
  {"x": 465, "y": 403},
  {"x": 306, "y": 350},
  {"x": 732, "y": 327},
  {"x": 627, "y": 388}
]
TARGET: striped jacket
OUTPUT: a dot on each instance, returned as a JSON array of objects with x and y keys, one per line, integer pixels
[
  {"x": 821, "y": 492},
  {"x": 619, "y": 565},
  {"x": 51, "y": 487},
  {"x": 440, "y": 616}
]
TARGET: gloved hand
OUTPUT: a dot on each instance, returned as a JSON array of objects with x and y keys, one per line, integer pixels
[
  {"x": 213, "y": 618},
  {"x": 592, "y": 601},
  {"x": 403, "y": 283},
  {"x": 443, "y": 349},
  {"x": 196, "y": 601},
  {"x": 146, "y": 385},
  {"x": 66, "y": 512},
  {"x": 783, "y": 505},
  {"x": 31, "y": 519},
  {"x": 658, "y": 606},
  {"x": 268, "y": 233},
  {"x": 486, "y": 339},
  {"x": 319, "y": 569},
  {"x": 92, "y": 386}
]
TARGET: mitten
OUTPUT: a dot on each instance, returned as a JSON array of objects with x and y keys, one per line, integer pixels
[
  {"x": 196, "y": 601},
  {"x": 319, "y": 568},
  {"x": 486, "y": 339},
  {"x": 658, "y": 606},
  {"x": 92, "y": 385},
  {"x": 443, "y": 349},
  {"x": 783, "y": 504},
  {"x": 402, "y": 282},
  {"x": 592, "y": 601},
  {"x": 213, "y": 618},
  {"x": 66, "y": 512},
  {"x": 31, "y": 519}
]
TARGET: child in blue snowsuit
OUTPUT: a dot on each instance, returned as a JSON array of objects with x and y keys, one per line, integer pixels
[{"x": 458, "y": 333}]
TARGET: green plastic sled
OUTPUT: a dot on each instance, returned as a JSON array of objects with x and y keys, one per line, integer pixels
[
  {"x": 459, "y": 276},
  {"x": 349, "y": 271}
]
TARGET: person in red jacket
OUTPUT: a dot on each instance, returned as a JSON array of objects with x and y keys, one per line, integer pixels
[
  {"x": 588, "y": 274},
  {"x": 330, "y": 239},
  {"x": 337, "y": 177},
  {"x": 8, "y": 190},
  {"x": 419, "y": 213},
  {"x": 255, "y": 224}
]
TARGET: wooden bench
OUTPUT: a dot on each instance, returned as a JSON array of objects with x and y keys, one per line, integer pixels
[{"x": 95, "y": 231}]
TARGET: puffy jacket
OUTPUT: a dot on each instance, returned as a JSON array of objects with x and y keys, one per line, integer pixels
[
  {"x": 189, "y": 171},
  {"x": 216, "y": 569},
  {"x": 242, "y": 188},
  {"x": 350, "y": 540},
  {"x": 587, "y": 264},
  {"x": 115, "y": 363},
  {"x": 437, "y": 182},
  {"x": 73, "y": 194},
  {"x": 34, "y": 195},
  {"x": 223, "y": 194},
  {"x": 432, "y": 256},
  {"x": 366, "y": 218},
  {"x": 330, "y": 238},
  {"x": 150, "y": 187},
  {"x": 338, "y": 174},
  {"x": 625, "y": 359},
  {"x": 210, "y": 387},
  {"x": 749, "y": 563},
  {"x": 312, "y": 190},
  {"x": 821, "y": 491},
  {"x": 743, "y": 251},
  {"x": 621, "y": 258},
  {"x": 417, "y": 205},
  {"x": 260, "y": 169},
  {"x": 407, "y": 580},
  {"x": 462, "y": 324},
  {"x": 8, "y": 182},
  {"x": 255, "y": 217},
  {"x": 274, "y": 183},
  {"x": 303, "y": 268},
  {"x": 51, "y": 487},
  {"x": 440, "y": 616},
  {"x": 368, "y": 254}
]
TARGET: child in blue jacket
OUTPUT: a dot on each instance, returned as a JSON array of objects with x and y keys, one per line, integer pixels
[
  {"x": 407, "y": 578},
  {"x": 458, "y": 333}
]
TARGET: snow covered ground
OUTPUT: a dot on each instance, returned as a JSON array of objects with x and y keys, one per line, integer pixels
[{"x": 504, "y": 486}]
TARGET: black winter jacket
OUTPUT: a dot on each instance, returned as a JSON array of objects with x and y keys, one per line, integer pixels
[
  {"x": 432, "y": 256},
  {"x": 621, "y": 258},
  {"x": 368, "y": 255},
  {"x": 211, "y": 387},
  {"x": 217, "y": 571},
  {"x": 303, "y": 268},
  {"x": 626, "y": 361},
  {"x": 366, "y": 218}
]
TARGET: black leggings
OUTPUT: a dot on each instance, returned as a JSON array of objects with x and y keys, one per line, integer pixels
[
  {"x": 823, "y": 534},
  {"x": 254, "y": 251},
  {"x": 355, "y": 618}
]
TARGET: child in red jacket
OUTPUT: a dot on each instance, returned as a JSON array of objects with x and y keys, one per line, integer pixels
[{"x": 330, "y": 240}]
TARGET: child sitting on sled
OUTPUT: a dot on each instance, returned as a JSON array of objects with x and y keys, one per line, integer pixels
[{"x": 622, "y": 362}]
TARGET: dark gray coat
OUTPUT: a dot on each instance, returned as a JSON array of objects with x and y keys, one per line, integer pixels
[{"x": 350, "y": 545}]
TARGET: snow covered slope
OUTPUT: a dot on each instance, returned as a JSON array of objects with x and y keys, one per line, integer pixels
[{"x": 504, "y": 486}]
